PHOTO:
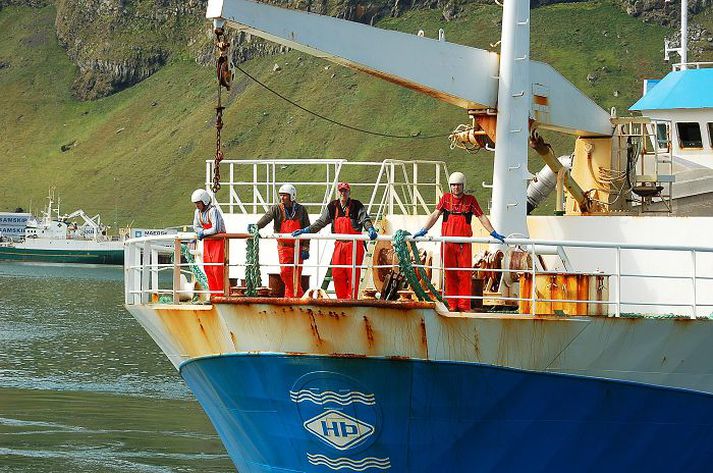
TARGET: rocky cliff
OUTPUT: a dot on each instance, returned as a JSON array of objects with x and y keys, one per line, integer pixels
[
  {"x": 661, "y": 11},
  {"x": 118, "y": 43}
]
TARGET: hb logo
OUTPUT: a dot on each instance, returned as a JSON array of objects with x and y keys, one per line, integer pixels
[{"x": 339, "y": 429}]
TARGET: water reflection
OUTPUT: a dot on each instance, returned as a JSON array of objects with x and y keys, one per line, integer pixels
[{"x": 83, "y": 387}]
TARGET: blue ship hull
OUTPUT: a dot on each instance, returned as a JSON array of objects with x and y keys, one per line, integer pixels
[{"x": 282, "y": 413}]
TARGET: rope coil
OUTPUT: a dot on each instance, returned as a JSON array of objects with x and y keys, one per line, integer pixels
[{"x": 407, "y": 268}]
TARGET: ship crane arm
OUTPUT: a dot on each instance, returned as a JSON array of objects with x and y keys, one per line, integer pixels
[
  {"x": 89, "y": 221},
  {"x": 460, "y": 75}
]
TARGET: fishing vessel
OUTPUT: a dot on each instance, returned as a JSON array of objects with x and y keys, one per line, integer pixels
[
  {"x": 57, "y": 238},
  {"x": 589, "y": 345}
]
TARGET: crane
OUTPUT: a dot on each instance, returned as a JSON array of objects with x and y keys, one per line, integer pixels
[
  {"x": 525, "y": 94},
  {"x": 92, "y": 222}
]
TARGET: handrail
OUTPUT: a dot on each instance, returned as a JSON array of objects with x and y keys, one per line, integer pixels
[
  {"x": 398, "y": 186},
  {"x": 692, "y": 65},
  {"x": 142, "y": 268}
]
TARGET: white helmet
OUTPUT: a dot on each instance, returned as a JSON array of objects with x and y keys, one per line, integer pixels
[
  {"x": 200, "y": 195},
  {"x": 457, "y": 178},
  {"x": 288, "y": 189}
]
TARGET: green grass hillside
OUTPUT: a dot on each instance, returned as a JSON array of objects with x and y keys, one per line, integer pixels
[{"x": 135, "y": 156}]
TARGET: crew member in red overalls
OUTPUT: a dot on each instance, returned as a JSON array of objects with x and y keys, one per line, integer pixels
[
  {"x": 288, "y": 216},
  {"x": 348, "y": 217},
  {"x": 457, "y": 209},
  {"x": 207, "y": 221}
]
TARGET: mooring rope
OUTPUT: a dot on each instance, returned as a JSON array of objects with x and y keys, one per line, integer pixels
[
  {"x": 196, "y": 270},
  {"x": 252, "y": 262},
  {"x": 407, "y": 269}
]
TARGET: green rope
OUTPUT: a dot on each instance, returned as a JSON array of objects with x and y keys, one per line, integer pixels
[
  {"x": 195, "y": 270},
  {"x": 407, "y": 269},
  {"x": 252, "y": 262}
]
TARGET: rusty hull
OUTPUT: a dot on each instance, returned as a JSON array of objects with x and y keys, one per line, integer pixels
[{"x": 656, "y": 351}]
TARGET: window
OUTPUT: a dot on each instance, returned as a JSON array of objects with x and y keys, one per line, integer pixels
[
  {"x": 710, "y": 133},
  {"x": 662, "y": 135},
  {"x": 689, "y": 135}
]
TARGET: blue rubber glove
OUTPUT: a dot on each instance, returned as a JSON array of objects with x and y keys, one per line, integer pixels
[
  {"x": 251, "y": 227},
  {"x": 497, "y": 236},
  {"x": 201, "y": 235},
  {"x": 372, "y": 233},
  {"x": 305, "y": 255},
  {"x": 300, "y": 232},
  {"x": 420, "y": 233}
]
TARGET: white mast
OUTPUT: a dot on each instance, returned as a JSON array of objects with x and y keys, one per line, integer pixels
[
  {"x": 684, "y": 35},
  {"x": 509, "y": 210},
  {"x": 682, "y": 50}
]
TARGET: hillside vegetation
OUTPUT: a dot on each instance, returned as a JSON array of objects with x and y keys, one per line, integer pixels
[{"x": 136, "y": 155}]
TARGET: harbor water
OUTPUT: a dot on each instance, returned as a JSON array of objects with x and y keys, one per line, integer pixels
[{"x": 82, "y": 386}]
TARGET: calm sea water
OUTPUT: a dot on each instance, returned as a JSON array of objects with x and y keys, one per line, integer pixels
[{"x": 83, "y": 388}]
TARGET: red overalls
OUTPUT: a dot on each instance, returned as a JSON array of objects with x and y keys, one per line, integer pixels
[
  {"x": 344, "y": 286},
  {"x": 286, "y": 255},
  {"x": 458, "y": 255},
  {"x": 213, "y": 252}
]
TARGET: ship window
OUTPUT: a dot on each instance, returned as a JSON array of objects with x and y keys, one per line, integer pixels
[
  {"x": 710, "y": 133},
  {"x": 689, "y": 135},
  {"x": 662, "y": 135}
]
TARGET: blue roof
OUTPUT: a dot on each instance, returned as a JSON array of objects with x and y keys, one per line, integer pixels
[{"x": 692, "y": 88}]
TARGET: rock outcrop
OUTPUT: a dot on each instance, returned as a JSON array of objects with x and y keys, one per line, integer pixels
[
  {"x": 117, "y": 43},
  {"x": 660, "y": 11}
]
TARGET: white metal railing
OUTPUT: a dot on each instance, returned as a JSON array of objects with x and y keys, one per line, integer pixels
[
  {"x": 692, "y": 65},
  {"x": 392, "y": 186},
  {"x": 641, "y": 279}
]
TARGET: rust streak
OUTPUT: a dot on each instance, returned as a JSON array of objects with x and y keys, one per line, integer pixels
[
  {"x": 369, "y": 332},
  {"x": 424, "y": 335},
  {"x": 234, "y": 339},
  {"x": 347, "y": 355},
  {"x": 313, "y": 325},
  {"x": 476, "y": 343}
]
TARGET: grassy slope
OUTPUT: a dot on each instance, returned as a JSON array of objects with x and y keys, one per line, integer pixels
[{"x": 145, "y": 172}]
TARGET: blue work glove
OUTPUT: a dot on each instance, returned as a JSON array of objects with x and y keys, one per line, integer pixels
[
  {"x": 252, "y": 227},
  {"x": 497, "y": 236},
  {"x": 305, "y": 255},
  {"x": 372, "y": 233},
  {"x": 420, "y": 233},
  {"x": 200, "y": 234},
  {"x": 300, "y": 231}
]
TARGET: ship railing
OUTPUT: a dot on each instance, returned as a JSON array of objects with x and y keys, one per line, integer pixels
[
  {"x": 692, "y": 65},
  {"x": 640, "y": 279},
  {"x": 392, "y": 186}
]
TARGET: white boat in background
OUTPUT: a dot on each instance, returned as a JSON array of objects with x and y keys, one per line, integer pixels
[{"x": 58, "y": 238}]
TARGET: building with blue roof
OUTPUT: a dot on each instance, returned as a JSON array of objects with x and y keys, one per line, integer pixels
[
  {"x": 685, "y": 99},
  {"x": 689, "y": 89}
]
